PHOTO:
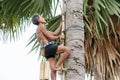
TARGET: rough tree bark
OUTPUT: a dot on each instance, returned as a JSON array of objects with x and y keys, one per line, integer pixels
[{"x": 75, "y": 40}]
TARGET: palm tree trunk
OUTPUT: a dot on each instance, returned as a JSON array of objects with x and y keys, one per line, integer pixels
[{"x": 75, "y": 40}]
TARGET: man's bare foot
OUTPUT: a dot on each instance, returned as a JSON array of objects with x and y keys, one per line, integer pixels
[{"x": 61, "y": 69}]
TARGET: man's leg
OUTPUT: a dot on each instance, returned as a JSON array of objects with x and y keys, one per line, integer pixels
[
  {"x": 61, "y": 49},
  {"x": 52, "y": 66},
  {"x": 65, "y": 53}
]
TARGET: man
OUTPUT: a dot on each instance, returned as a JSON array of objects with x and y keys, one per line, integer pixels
[{"x": 47, "y": 38}]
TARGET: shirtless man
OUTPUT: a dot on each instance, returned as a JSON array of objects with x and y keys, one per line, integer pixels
[{"x": 51, "y": 49}]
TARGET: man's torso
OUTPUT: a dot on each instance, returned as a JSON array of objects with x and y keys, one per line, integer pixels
[{"x": 41, "y": 37}]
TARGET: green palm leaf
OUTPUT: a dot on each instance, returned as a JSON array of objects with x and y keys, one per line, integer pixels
[{"x": 15, "y": 13}]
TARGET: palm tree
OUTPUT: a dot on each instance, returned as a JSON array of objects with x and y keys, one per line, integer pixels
[
  {"x": 75, "y": 40},
  {"x": 102, "y": 32}
]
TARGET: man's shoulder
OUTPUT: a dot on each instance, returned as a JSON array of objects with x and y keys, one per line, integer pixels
[
  {"x": 38, "y": 29},
  {"x": 41, "y": 27}
]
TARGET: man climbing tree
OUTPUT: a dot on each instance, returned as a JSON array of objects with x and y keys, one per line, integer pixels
[{"x": 47, "y": 38}]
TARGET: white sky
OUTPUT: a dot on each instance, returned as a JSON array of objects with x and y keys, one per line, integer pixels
[{"x": 15, "y": 63}]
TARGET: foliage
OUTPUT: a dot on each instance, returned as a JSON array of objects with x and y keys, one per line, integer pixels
[
  {"x": 102, "y": 41},
  {"x": 15, "y": 15}
]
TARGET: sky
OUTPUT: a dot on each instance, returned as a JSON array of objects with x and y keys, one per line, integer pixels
[{"x": 15, "y": 62}]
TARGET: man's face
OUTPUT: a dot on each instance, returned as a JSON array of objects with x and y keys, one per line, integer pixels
[{"x": 41, "y": 20}]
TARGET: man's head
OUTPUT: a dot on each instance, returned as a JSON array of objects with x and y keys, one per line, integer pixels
[{"x": 36, "y": 19}]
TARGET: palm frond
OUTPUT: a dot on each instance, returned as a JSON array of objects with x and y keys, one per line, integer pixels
[
  {"x": 102, "y": 40},
  {"x": 15, "y": 14}
]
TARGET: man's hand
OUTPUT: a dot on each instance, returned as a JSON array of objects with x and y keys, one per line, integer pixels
[{"x": 62, "y": 37}]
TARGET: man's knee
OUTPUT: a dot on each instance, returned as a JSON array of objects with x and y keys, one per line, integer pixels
[
  {"x": 68, "y": 50},
  {"x": 53, "y": 70}
]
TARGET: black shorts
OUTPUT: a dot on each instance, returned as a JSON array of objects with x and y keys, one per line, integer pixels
[{"x": 50, "y": 51}]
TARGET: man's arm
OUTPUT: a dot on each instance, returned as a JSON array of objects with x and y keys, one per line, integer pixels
[
  {"x": 57, "y": 31},
  {"x": 52, "y": 33},
  {"x": 46, "y": 33}
]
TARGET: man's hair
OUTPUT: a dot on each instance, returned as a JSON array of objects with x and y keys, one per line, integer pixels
[{"x": 35, "y": 19}]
